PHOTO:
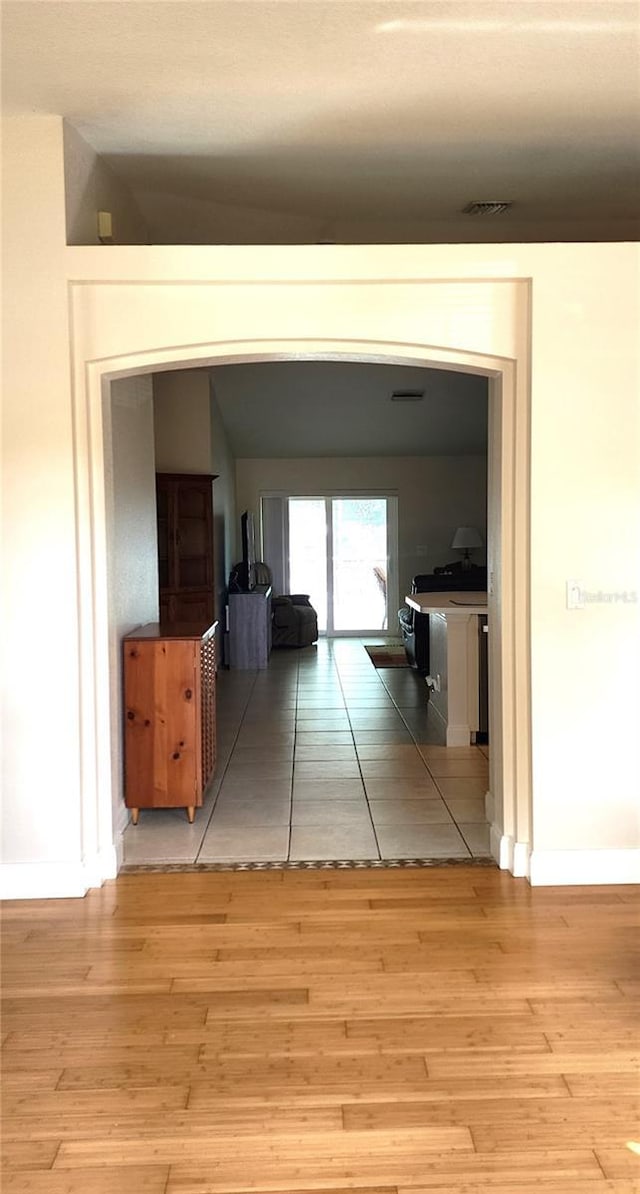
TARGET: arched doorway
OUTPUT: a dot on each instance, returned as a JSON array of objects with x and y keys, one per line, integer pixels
[{"x": 510, "y": 805}]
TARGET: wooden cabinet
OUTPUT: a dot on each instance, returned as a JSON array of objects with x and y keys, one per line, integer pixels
[
  {"x": 185, "y": 546},
  {"x": 170, "y": 716}
]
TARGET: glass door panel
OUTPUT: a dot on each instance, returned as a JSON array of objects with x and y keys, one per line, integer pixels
[
  {"x": 308, "y": 553},
  {"x": 359, "y": 558},
  {"x": 338, "y": 553}
]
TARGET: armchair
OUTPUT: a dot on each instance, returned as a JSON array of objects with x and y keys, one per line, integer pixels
[{"x": 294, "y": 621}]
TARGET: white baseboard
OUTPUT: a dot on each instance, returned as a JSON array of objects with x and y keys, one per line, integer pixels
[
  {"x": 521, "y": 868},
  {"x": 501, "y": 847},
  {"x": 549, "y": 868},
  {"x": 56, "y": 880},
  {"x": 510, "y": 855},
  {"x": 458, "y": 735},
  {"x": 100, "y": 867}
]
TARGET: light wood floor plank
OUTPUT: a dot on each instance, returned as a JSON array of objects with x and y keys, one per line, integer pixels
[
  {"x": 135, "y": 1122},
  {"x": 620, "y": 1162},
  {"x": 148, "y": 1179},
  {"x": 28, "y": 1154},
  {"x": 376, "y": 1155},
  {"x": 412, "y": 1171},
  {"x": 560, "y": 1185},
  {"x": 388, "y": 1032}
]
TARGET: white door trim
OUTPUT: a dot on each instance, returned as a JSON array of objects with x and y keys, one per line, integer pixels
[{"x": 510, "y": 683}]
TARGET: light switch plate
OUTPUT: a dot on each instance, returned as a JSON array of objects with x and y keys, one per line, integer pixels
[{"x": 575, "y": 594}]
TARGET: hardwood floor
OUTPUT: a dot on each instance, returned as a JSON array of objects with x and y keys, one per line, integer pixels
[{"x": 385, "y": 1031}]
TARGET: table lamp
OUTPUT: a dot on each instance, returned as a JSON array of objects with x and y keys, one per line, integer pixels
[{"x": 464, "y": 539}]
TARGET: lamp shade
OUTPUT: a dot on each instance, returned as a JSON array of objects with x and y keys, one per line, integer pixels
[{"x": 466, "y": 537}]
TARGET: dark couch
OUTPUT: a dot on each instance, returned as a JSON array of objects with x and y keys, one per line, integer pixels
[
  {"x": 294, "y": 622},
  {"x": 414, "y": 627}
]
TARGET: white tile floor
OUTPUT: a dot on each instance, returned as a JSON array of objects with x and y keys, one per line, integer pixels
[{"x": 323, "y": 757}]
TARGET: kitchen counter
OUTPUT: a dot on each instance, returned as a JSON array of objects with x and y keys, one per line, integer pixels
[
  {"x": 448, "y": 603},
  {"x": 453, "y": 649}
]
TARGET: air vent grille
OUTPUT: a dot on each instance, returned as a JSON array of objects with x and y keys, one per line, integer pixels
[
  {"x": 487, "y": 208},
  {"x": 407, "y": 396}
]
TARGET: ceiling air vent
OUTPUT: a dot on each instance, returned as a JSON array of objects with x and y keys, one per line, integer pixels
[
  {"x": 486, "y": 208},
  {"x": 407, "y": 396}
]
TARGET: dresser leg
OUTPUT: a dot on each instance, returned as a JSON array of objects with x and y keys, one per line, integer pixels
[
  {"x": 191, "y": 813},
  {"x": 135, "y": 813}
]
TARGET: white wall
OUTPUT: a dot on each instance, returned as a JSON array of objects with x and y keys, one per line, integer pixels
[
  {"x": 90, "y": 187},
  {"x": 584, "y": 305},
  {"x": 435, "y": 495},
  {"x": 132, "y": 539}
]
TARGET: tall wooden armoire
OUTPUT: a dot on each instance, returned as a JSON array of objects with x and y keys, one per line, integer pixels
[{"x": 185, "y": 547}]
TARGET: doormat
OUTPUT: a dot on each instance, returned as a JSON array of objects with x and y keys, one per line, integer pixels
[{"x": 387, "y": 654}]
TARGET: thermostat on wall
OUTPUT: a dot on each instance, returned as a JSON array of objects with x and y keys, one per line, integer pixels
[{"x": 105, "y": 229}]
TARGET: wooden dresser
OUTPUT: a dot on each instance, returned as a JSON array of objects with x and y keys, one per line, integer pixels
[
  {"x": 170, "y": 715},
  {"x": 250, "y": 628}
]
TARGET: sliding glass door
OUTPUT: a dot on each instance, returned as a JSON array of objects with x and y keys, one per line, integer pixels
[
  {"x": 341, "y": 550},
  {"x": 308, "y": 557},
  {"x": 359, "y": 557}
]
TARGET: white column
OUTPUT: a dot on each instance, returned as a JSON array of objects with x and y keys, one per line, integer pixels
[{"x": 462, "y": 677}]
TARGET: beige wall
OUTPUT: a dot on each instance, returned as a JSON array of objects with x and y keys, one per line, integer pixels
[
  {"x": 190, "y": 437},
  {"x": 90, "y": 187},
  {"x": 41, "y": 696},
  {"x": 182, "y": 422},
  {"x": 585, "y": 489},
  {"x": 132, "y": 540},
  {"x": 435, "y": 495},
  {"x": 294, "y": 301},
  {"x": 584, "y": 475}
]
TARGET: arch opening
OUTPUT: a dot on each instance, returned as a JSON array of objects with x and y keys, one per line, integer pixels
[{"x": 509, "y": 797}]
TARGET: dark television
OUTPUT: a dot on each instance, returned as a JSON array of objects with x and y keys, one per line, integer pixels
[{"x": 247, "y": 576}]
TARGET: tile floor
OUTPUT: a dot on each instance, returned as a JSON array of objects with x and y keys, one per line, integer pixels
[{"x": 323, "y": 757}]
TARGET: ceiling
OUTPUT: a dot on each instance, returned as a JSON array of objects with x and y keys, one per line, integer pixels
[
  {"x": 347, "y": 120},
  {"x": 327, "y": 408}
]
